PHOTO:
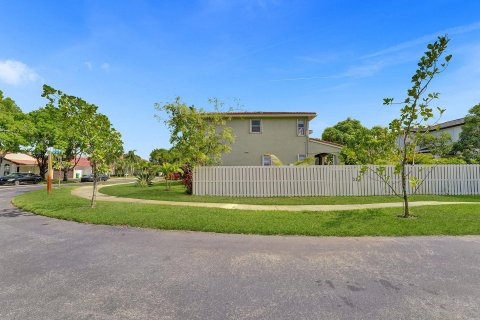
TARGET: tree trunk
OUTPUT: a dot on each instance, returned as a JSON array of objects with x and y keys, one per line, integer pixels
[
  {"x": 65, "y": 174},
  {"x": 94, "y": 193},
  {"x": 406, "y": 212},
  {"x": 43, "y": 167}
]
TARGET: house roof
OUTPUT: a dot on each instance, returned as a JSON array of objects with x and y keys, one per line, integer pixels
[
  {"x": 21, "y": 159},
  {"x": 333, "y": 144},
  {"x": 451, "y": 123},
  {"x": 83, "y": 162},
  {"x": 267, "y": 114}
]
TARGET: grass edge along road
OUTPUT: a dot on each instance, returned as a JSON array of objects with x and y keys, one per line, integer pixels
[{"x": 432, "y": 220}]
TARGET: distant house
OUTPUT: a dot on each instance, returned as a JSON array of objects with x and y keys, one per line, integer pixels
[
  {"x": 452, "y": 127},
  {"x": 283, "y": 134},
  {"x": 18, "y": 162},
  {"x": 83, "y": 167}
]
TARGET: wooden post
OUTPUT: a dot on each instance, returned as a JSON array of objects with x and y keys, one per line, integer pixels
[
  {"x": 59, "y": 170},
  {"x": 50, "y": 173}
]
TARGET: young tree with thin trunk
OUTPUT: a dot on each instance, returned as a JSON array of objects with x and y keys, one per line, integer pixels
[
  {"x": 414, "y": 120},
  {"x": 198, "y": 138},
  {"x": 99, "y": 140}
]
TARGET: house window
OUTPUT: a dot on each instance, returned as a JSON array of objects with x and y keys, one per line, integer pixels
[
  {"x": 6, "y": 170},
  {"x": 255, "y": 126},
  {"x": 301, "y": 157},
  {"x": 300, "y": 127},
  {"x": 266, "y": 160}
]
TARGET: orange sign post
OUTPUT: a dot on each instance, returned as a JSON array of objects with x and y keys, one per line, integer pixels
[{"x": 50, "y": 173}]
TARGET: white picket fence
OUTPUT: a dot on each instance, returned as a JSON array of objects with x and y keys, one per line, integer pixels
[{"x": 339, "y": 180}]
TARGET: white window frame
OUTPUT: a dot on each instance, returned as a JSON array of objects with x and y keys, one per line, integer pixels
[
  {"x": 251, "y": 121},
  {"x": 299, "y": 157},
  {"x": 304, "y": 128},
  {"x": 266, "y": 156}
]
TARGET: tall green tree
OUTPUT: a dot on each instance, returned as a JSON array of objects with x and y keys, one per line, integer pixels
[
  {"x": 68, "y": 139},
  {"x": 345, "y": 132},
  {"x": 372, "y": 146},
  {"x": 13, "y": 125},
  {"x": 413, "y": 121},
  {"x": 130, "y": 162},
  {"x": 160, "y": 156},
  {"x": 96, "y": 136},
  {"x": 469, "y": 142},
  {"x": 361, "y": 144},
  {"x": 45, "y": 133},
  {"x": 198, "y": 138}
]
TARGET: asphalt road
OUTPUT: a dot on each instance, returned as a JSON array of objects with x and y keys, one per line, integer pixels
[{"x": 52, "y": 269}]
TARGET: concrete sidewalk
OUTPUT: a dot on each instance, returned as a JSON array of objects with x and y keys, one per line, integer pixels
[{"x": 86, "y": 192}]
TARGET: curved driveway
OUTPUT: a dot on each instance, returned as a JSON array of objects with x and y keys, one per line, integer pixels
[{"x": 53, "y": 269}]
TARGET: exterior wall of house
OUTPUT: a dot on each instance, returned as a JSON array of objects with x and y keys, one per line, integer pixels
[
  {"x": 7, "y": 167},
  {"x": 279, "y": 137},
  {"x": 453, "y": 131},
  {"x": 316, "y": 148},
  {"x": 10, "y": 167}
]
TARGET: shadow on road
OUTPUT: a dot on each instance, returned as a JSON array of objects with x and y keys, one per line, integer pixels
[{"x": 13, "y": 213}]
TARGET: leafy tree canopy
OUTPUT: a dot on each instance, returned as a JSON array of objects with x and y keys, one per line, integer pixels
[
  {"x": 440, "y": 145},
  {"x": 13, "y": 125},
  {"x": 45, "y": 132},
  {"x": 160, "y": 156},
  {"x": 361, "y": 144},
  {"x": 469, "y": 142},
  {"x": 197, "y": 137},
  {"x": 345, "y": 132}
]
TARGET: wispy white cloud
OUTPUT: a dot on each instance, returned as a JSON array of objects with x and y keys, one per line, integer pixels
[
  {"x": 370, "y": 64},
  {"x": 244, "y": 4},
  {"x": 423, "y": 39},
  {"x": 308, "y": 78},
  {"x": 355, "y": 71},
  {"x": 14, "y": 72},
  {"x": 89, "y": 65},
  {"x": 319, "y": 58}
]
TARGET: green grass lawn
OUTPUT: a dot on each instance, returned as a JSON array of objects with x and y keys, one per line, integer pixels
[
  {"x": 177, "y": 193},
  {"x": 437, "y": 220}
]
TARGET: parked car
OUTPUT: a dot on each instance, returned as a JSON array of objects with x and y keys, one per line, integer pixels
[
  {"x": 20, "y": 178},
  {"x": 89, "y": 178}
]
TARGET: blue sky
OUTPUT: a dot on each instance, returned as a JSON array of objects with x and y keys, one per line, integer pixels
[{"x": 336, "y": 58}]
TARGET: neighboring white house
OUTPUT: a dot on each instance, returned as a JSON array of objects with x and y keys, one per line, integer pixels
[
  {"x": 18, "y": 162},
  {"x": 452, "y": 127},
  {"x": 283, "y": 134}
]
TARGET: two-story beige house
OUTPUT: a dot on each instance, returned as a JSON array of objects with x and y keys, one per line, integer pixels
[{"x": 284, "y": 134}]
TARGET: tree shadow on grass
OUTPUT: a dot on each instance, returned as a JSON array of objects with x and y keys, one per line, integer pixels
[{"x": 348, "y": 217}]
